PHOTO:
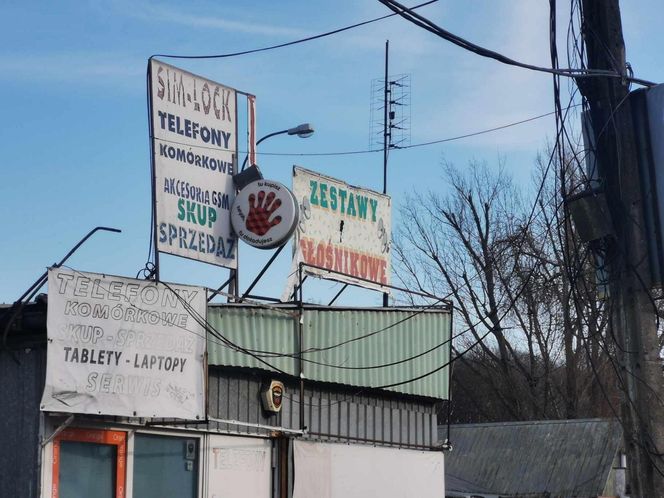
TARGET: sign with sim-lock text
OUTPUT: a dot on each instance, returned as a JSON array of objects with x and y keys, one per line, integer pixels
[{"x": 194, "y": 129}]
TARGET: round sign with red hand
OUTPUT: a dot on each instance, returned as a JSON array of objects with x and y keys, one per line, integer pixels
[{"x": 264, "y": 214}]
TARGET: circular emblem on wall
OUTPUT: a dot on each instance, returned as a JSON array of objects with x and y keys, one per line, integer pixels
[
  {"x": 272, "y": 395},
  {"x": 277, "y": 394},
  {"x": 264, "y": 214}
]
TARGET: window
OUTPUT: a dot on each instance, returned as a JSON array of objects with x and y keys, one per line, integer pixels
[{"x": 165, "y": 466}]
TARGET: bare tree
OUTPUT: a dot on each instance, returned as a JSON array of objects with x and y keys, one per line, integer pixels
[{"x": 525, "y": 301}]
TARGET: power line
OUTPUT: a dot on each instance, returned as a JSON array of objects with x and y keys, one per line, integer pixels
[
  {"x": 200, "y": 320},
  {"x": 290, "y": 43},
  {"x": 259, "y": 354},
  {"x": 370, "y": 334},
  {"x": 369, "y": 151},
  {"x": 480, "y": 339},
  {"x": 513, "y": 299},
  {"x": 428, "y": 25}
]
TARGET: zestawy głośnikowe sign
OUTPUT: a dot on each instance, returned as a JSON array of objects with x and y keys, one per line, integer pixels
[{"x": 342, "y": 228}]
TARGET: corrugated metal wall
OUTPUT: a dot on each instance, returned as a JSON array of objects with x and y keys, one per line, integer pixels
[
  {"x": 396, "y": 335},
  {"x": 328, "y": 415},
  {"x": 21, "y": 385},
  {"x": 256, "y": 329},
  {"x": 352, "y": 346}
]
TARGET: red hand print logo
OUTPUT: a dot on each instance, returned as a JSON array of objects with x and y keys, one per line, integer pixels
[{"x": 258, "y": 220}]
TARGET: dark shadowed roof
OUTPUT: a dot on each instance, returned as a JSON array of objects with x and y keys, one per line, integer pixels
[
  {"x": 568, "y": 458},
  {"x": 458, "y": 488}
]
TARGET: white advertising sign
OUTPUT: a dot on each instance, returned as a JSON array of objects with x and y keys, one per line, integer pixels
[
  {"x": 195, "y": 147},
  {"x": 343, "y": 228},
  {"x": 329, "y": 470},
  {"x": 239, "y": 466},
  {"x": 125, "y": 347}
]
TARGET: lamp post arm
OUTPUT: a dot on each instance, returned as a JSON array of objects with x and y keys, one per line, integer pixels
[
  {"x": 271, "y": 135},
  {"x": 244, "y": 164}
]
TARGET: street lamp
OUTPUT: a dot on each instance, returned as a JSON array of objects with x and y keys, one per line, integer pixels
[
  {"x": 305, "y": 130},
  {"x": 244, "y": 178}
]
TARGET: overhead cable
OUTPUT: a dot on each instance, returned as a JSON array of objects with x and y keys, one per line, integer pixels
[
  {"x": 287, "y": 44},
  {"x": 428, "y": 25},
  {"x": 513, "y": 299},
  {"x": 369, "y": 151}
]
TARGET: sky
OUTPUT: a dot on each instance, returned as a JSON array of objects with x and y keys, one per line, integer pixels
[{"x": 74, "y": 132}]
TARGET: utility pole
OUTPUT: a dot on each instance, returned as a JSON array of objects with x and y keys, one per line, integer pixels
[
  {"x": 633, "y": 314},
  {"x": 386, "y": 124},
  {"x": 387, "y": 136}
]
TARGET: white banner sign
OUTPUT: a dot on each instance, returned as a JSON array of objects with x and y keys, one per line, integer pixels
[
  {"x": 329, "y": 470},
  {"x": 239, "y": 466},
  {"x": 343, "y": 228},
  {"x": 125, "y": 347},
  {"x": 195, "y": 148}
]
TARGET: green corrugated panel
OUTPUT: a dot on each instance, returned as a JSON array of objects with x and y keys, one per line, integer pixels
[
  {"x": 395, "y": 336},
  {"x": 254, "y": 329}
]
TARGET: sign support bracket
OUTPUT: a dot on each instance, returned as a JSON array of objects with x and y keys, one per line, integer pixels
[
  {"x": 58, "y": 430},
  {"x": 262, "y": 272}
]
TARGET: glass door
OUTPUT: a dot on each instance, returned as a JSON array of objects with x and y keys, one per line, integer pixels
[
  {"x": 165, "y": 466},
  {"x": 89, "y": 463}
]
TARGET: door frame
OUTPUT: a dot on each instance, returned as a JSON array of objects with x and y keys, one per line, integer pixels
[{"x": 99, "y": 436}]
